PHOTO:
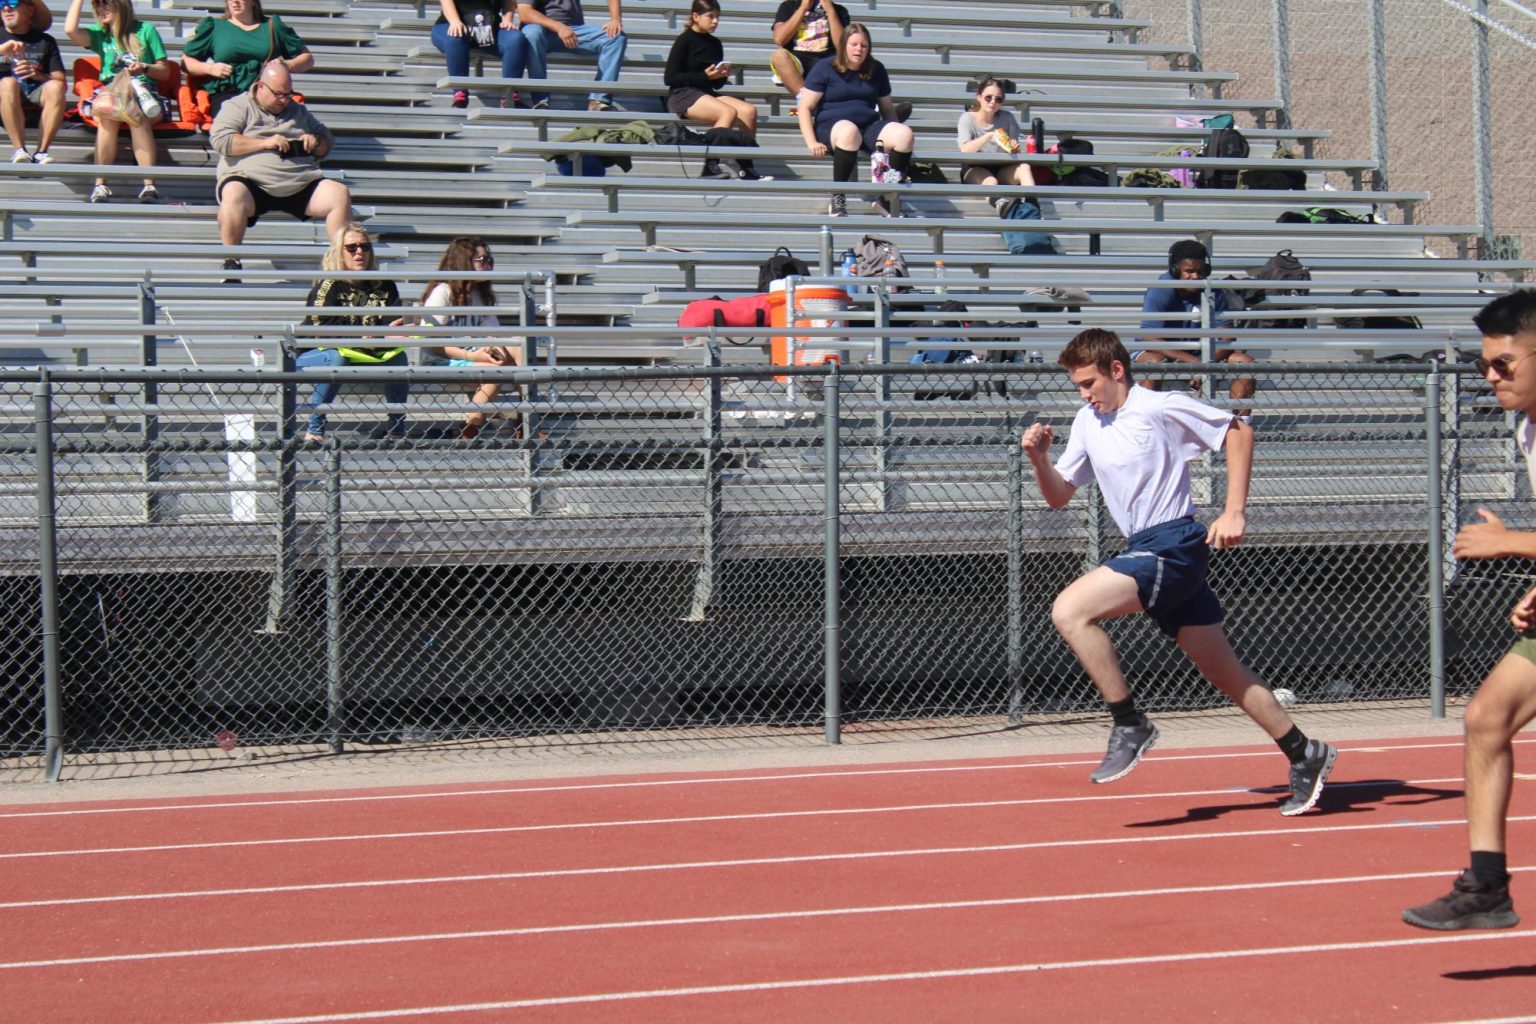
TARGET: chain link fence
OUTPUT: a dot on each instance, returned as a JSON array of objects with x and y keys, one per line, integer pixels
[
  {"x": 623, "y": 551},
  {"x": 1430, "y": 105}
]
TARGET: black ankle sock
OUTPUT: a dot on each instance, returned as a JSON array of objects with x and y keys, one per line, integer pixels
[
  {"x": 844, "y": 161},
  {"x": 1293, "y": 745},
  {"x": 1490, "y": 868},
  {"x": 1125, "y": 712},
  {"x": 900, "y": 162}
]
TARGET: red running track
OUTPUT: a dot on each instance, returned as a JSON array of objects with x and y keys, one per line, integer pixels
[{"x": 979, "y": 890}]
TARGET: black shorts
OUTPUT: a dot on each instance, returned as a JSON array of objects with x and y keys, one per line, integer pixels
[
  {"x": 680, "y": 100},
  {"x": 266, "y": 202},
  {"x": 870, "y": 135}
]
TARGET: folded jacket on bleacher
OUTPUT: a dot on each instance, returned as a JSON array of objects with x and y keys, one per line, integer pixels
[{"x": 277, "y": 174}]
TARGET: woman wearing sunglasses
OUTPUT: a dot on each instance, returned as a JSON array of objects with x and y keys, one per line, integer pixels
[
  {"x": 988, "y": 128},
  {"x": 352, "y": 302},
  {"x": 467, "y": 255}
]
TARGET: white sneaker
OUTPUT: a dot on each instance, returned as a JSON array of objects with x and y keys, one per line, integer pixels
[
  {"x": 20, "y": 157},
  {"x": 42, "y": 156},
  {"x": 100, "y": 194},
  {"x": 1284, "y": 696}
]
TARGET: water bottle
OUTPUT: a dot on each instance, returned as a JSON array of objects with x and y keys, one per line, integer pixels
[
  {"x": 850, "y": 265},
  {"x": 149, "y": 102},
  {"x": 938, "y": 272},
  {"x": 879, "y": 164},
  {"x": 1037, "y": 134}
]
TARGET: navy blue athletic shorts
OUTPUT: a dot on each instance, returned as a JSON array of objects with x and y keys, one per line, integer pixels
[{"x": 1169, "y": 563}]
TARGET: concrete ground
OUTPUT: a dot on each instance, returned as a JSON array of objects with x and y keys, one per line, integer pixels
[{"x": 205, "y": 773}]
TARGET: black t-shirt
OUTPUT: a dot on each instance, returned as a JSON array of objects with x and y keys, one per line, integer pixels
[
  {"x": 814, "y": 36},
  {"x": 692, "y": 52},
  {"x": 481, "y": 19},
  {"x": 41, "y": 49}
]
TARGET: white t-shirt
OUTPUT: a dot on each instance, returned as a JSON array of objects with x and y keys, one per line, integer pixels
[
  {"x": 1525, "y": 434},
  {"x": 1140, "y": 454},
  {"x": 439, "y": 298}
]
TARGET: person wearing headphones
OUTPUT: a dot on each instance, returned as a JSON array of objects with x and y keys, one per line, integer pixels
[{"x": 1188, "y": 260}]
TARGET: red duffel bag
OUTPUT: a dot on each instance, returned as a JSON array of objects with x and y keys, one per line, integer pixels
[{"x": 746, "y": 311}]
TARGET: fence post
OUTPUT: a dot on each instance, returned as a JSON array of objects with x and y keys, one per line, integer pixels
[
  {"x": 709, "y": 541},
  {"x": 831, "y": 554},
  {"x": 334, "y": 689},
  {"x": 1377, "y": 66},
  {"x": 1196, "y": 43},
  {"x": 1482, "y": 128},
  {"x": 885, "y": 420},
  {"x": 527, "y": 315},
  {"x": 1281, "y": 18},
  {"x": 48, "y": 577},
  {"x": 1015, "y": 580},
  {"x": 286, "y": 517},
  {"x": 150, "y": 424},
  {"x": 1436, "y": 567}
]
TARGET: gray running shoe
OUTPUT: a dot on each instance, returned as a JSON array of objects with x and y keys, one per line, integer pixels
[
  {"x": 1308, "y": 776},
  {"x": 1471, "y": 903},
  {"x": 1127, "y": 743}
]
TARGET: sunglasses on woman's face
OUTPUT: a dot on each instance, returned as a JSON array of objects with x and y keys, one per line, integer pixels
[
  {"x": 484, "y": 261},
  {"x": 1503, "y": 366},
  {"x": 992, "y": 98},
  {"x": 356, "y": 247}
]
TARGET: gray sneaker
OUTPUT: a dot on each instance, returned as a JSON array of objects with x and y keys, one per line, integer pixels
[
  {"x": 1470, "y": 904},
  {"x": 1127, "y": 744},
  {"x": 1308, "y": 776}
]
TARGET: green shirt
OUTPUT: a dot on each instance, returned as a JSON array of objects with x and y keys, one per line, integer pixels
[
  {"x": 151, "y": 49},
  {"x": 221, "y": 40}
]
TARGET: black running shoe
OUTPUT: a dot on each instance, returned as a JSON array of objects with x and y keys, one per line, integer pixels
[
  {"x": 1471, "y": 903},
  {"x": 1127, "y": 744},
  {"x": 838, "y": 207},
  {"x": 1308, "y": 776}
]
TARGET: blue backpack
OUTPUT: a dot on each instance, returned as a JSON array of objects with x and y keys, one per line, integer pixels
[{"x": 1026, "y": 243}]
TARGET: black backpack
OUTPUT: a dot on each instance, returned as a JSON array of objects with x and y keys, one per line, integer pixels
[
  {"x": 674, "y": 134},
  {"x": 1228, "y": 144},
  {"x": 1282, "y": 266},
  {"x": 778, "y": 266},
  {"x": 1399, "y": 322},
  {"x": 1322, "y": 215}
]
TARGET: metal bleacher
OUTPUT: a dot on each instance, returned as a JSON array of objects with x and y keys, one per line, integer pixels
[
  {"x": 629, "y": 250},
  {"x": 632, "y": 248}
]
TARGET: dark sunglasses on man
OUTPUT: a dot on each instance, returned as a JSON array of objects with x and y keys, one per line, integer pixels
[{"x": 1503, "y": 366}]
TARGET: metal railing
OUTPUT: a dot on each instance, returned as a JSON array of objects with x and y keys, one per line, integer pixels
[{"x": 626, "y": 550}]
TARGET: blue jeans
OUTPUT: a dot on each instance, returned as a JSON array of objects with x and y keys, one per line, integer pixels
[
  {"x": 509, "y": 41},
  {"x": 326, "y": 391},
  {"x": 590, "y": 39}
]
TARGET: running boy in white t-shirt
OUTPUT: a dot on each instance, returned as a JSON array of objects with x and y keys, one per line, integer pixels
[{"x": 1137, "y": 445}]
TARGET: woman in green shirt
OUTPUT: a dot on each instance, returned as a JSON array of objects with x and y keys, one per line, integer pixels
[{"x": 230, "y": 51}]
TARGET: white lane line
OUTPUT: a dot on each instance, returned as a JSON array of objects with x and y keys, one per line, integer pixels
[
  {"x": 619, "y": 869},
  {"x": 875, "y": 979},
  {"x": 673, "y": 922},
  {"x": 688, "y": 820},
  {"x": 839, "y": 773}
]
